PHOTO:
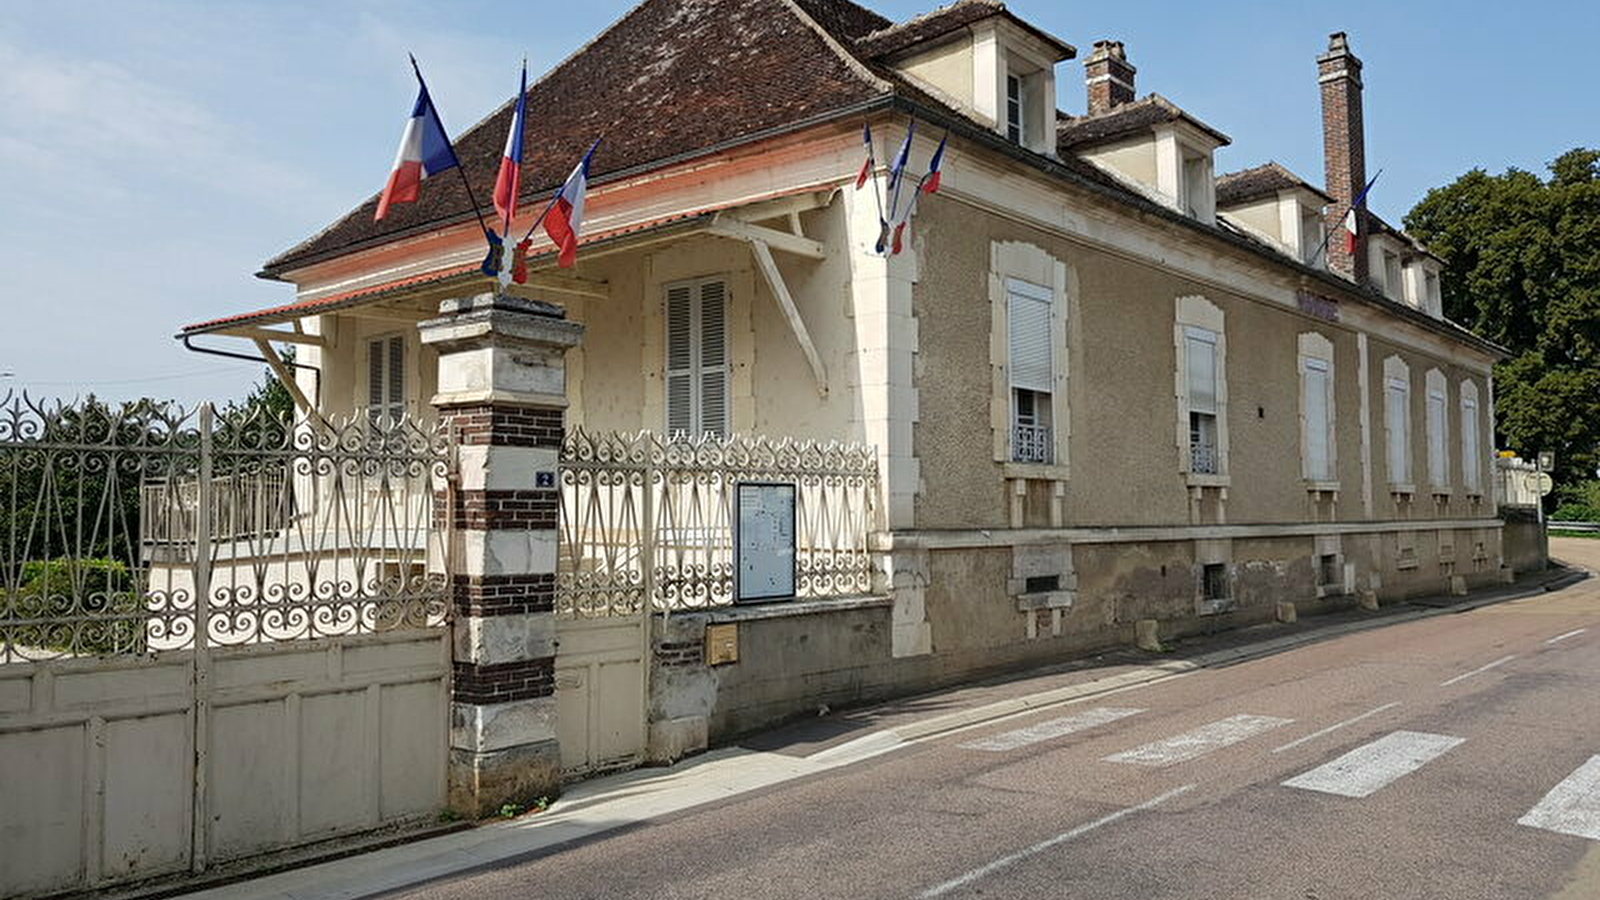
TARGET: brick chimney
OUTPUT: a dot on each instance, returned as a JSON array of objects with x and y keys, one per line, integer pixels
[
  {"x": 1344, "y": 154},
  {"x": 1109, "y": 76}
]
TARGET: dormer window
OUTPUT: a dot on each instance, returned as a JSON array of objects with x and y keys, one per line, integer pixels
[
  {"x": 1391, "y": 275},
  {"x": 1197, "y": 186},
  {"x": 1311, "y": 235},
  {"x": 1431, "y": 295},
  {"x": 1015, "y": 110}
]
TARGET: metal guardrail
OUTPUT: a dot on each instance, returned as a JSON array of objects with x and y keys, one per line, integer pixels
[{"x": 1574, "y": 526}]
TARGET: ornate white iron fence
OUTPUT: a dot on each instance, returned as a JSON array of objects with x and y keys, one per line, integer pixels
[
  {"x": 150, "y": 528},
  {"x": 647, "y": 516}
]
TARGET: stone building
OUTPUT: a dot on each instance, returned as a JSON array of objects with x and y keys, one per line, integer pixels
[{"x": 1100, "y": 385}]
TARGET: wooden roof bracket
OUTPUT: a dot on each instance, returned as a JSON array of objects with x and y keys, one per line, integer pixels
[
  {"x": 780, "y": 292},
  {"x": 286, "y": 378}
]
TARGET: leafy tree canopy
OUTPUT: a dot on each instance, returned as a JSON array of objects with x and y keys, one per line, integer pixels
[{"x": 1523, "y": 269}]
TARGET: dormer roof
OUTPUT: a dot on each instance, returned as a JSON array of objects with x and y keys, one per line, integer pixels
[
  {"x": 1265, "y": 180},
  {"x": 932, "y": 26},
  {"x": 1124, "y": 121}
]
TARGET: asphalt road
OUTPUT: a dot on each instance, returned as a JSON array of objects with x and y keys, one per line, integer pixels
[{"x": 1453, "y": 757}]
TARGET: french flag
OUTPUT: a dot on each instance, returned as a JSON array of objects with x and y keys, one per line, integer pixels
[
  {"x": 510, "y": 178},
  {"x": 1352, "y": 222},
  {"x": 930, "y": 181},
  {"x": 424, "y": 150},
  {"x": 868, "y": 163},
  {"x": 563, "y": 222}
]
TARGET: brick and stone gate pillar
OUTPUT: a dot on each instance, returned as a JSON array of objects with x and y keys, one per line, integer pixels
[{"x": 502, "y": 393}]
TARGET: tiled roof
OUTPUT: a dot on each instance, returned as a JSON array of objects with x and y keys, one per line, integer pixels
[
  {"x": 1127, "y": 119},
  {"x": 1265, "y": 180},
  {"x": 944, "y": 20},
  {"x": 671, "y": 78}
]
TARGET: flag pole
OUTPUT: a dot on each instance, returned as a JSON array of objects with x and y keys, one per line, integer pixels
[
  {"x": 1323, "y": 248},
  {"x": 460, "y": 169},
  {"x": 552, "y": 204}
]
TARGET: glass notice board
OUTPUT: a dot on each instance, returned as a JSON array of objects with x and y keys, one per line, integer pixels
[{"x": 764, "y": 542}]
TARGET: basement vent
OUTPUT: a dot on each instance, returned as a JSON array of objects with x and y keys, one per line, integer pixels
[{"x": 1042, "y": 584}]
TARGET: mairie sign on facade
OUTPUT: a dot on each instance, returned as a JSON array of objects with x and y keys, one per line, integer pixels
[{"x": 1318, "y": 306}]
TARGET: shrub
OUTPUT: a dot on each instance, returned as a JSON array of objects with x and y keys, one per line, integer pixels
[{"x": 95, "y": 603}]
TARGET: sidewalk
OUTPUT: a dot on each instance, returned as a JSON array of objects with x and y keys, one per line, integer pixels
[{"x": 594, "y": 807}]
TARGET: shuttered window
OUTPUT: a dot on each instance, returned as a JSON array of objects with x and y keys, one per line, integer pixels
[
  {"x": 1200, "y": 354},
  {"x": 696, "y": 314},
  {"x": 1031, "y": 361},
  {"x": 1397, "y": 421},
  {"x": 1438, "y": 457},
  {"x": 386, "y": 379},
  {"x": 1028, "y": 315},
  {"x": 1317, "y": 382},
  {"x": 1471, "y": 465}
]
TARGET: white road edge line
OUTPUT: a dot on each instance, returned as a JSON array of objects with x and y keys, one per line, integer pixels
[
  {"x": 1479, "y": 670},
  {"x": 1335, "y": 727},
  {"x": 1561, "y": 637},
  {"x": 1573, "y": 806},
  {"x": 1004, "y": 861}
]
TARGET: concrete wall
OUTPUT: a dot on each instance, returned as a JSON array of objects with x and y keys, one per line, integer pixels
[
  {"x": 1526, "y": 544},
  {"x": 302, "y": 741}
]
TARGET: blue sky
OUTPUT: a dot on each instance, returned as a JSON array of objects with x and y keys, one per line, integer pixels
[{"x": 155, "y": 153}]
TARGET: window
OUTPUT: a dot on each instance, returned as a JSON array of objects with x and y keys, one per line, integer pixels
[
  {"x": 1032, "y": 364},
  {"x": 697, "y": 357},
  {"x": 1391, "y": 275},
  {"x": 1041, "y": 584},
  {"x": 1436, "y": 421},
  {"x": 1311, "y": 238},
  {"x": 1316, "y": 412},
  {"x": 1214, "y": 581},
  {"x": 1434, "y": 302},
  {"x": 1397, "y": 421},
  {"x": 1328, "y": 574},
  {"x": 1016, "y": 109},
  {"x": 386, "y": 379},
  {"x": 1200, "y": 355},
  {"x": 1471, "y": 463},
  {"x": 1196, "y": 185}
]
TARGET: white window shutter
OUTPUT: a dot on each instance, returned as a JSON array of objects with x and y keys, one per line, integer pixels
[
  {"x": 680, "y": 388},
  {"x": 713, "y": 358},
  {"x": 1471, "y": 465},
  {"x": 1030, "y": 359},
  {"x": 397, "y": 379},
  {"x": 1397, "y": 417},
  {"x": 1200, "y": 352},
  {"x": 1318, "y": 462},
  {"x": 375, "y": 353},
  {"x": 1438, "y": 460}
]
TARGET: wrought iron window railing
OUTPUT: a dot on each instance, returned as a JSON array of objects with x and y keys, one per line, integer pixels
[
  {"x": 646, "y": 519},
  {"x": 1203, "y": 459},
  {"x": 1031, "y": 443}
]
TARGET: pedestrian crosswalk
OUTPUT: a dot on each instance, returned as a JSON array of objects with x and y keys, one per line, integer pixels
[
  {"x": 1200, "y": 741},
  {"x": 1364, "y": 770},
  {"x": 1571, "y": 807}
]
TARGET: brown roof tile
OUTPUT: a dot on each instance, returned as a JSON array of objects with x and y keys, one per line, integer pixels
[
  {"x": 1082, "y": 132},
  {"x": 672, "y": 77},
  {"x": 944, "y": 20},
  {"x": 1264, "y": 180}
]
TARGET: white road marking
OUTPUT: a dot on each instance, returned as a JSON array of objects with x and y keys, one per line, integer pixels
[
  {"x": 1573, "y": 806},
  {"x": 1368, "y": 768},
  {"x": 1054, "y": 728},
  {"x": 940, "y": 890},
  {"x": 1561, "y": 637},
  {"x": 1335, "y": 727},
  {"x": 1479, "y": 670},
  {"x": 1199, "y": 742}
]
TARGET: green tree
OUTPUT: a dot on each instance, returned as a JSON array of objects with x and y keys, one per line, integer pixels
[{"x": 1522, "y": 257}]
